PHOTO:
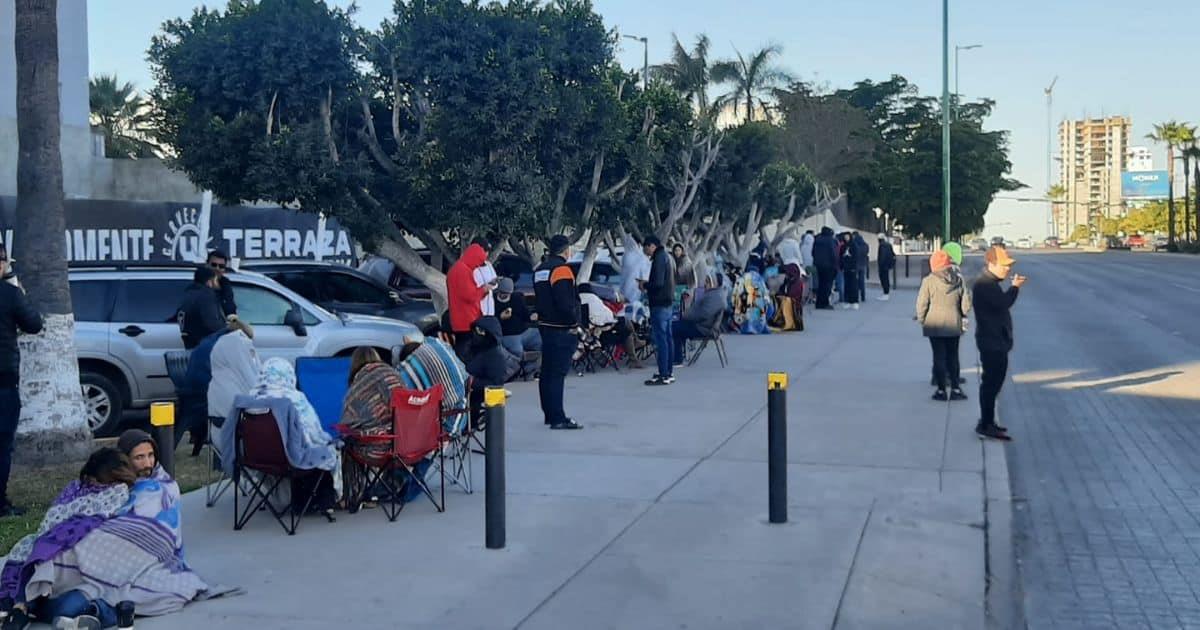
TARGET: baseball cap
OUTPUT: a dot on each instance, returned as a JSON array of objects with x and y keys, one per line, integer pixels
[
  {"x": 505, "y": 285},
  {"x": 997, "y": 255}
]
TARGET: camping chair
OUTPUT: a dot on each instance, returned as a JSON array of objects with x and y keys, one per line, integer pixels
[
  {"x": 259, "y": 449},
  {"x": 715, "y": 340},
  {"x": 594, "y": 350},
  {"x": 324, "y": 382},
  {"x": 416, "y": 435},
  {"x": 457, "y": 438}
]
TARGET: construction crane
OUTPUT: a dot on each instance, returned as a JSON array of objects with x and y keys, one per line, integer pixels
[{"x": 1051, "y": 224}]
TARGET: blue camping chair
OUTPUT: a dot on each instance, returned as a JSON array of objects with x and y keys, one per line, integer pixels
[{"x": 325, "y": 383}]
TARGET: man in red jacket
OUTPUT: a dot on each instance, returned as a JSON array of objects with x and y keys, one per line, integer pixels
[{"x": 464, "y": 296}]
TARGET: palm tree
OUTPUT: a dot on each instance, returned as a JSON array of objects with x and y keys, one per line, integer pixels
[
  {"x": 53, "y": 409},
  {"x": 1187, "y": 144},
  {"x": 752, "y": 78},
  {"x": 1169, "y": 133},
  {"x": 123, "y": 116},
  {"x": 1056, "y": 194},
  {"x": 688, "y": 72}
]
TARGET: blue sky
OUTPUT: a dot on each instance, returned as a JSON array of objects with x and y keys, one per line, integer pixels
[{"x": 1111, "y": 57}]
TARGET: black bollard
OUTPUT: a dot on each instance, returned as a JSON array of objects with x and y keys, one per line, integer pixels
[
  {"x": 893, "y": 275},
  {"x": 906, "y": 265},
  {"x": 777, "y": 446},
  {"x": 162, "y": 421},
  {"x": 494, "y": 499}
]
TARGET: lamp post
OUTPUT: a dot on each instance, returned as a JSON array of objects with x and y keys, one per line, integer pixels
[
  {"x": 958, "y": 49},
  {"x": 645, "y": 58},
  {"x": 946, "y": 120}
]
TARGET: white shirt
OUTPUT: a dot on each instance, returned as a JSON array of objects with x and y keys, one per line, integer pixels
[
  {"x": 485, "y": 275},
  {"x": 598, "y": 312}
]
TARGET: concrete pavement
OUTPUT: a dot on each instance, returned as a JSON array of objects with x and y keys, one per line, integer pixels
[{"x": 654, "y": 516}]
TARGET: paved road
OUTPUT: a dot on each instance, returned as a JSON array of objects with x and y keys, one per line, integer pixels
[{"x": 1105, "y": 404}]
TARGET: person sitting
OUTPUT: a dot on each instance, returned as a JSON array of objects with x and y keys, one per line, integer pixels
[
  {"x": 488, "y": 364},
  {"x": 613, "y": 330},
  {"x": 110, "y": 537},
  {"x": 520, "y": 336},
  {"x": 231, "y": 352},
  {"x": 703, "y": 319},
  {"x": 367, "y": 409},
  {"x": 423, "y": 365}
]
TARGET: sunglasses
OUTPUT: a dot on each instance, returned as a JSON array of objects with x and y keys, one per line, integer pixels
[{"x": 216, "y": 265}]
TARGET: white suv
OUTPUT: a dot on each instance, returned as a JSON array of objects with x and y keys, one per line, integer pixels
[{"x": 125, "y": 324}]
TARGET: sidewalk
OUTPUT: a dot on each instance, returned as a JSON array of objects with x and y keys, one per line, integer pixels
[{"x": 654, "y": 515}]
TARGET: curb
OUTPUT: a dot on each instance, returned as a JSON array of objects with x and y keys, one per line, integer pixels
[{"x": 1003, "y": 599}]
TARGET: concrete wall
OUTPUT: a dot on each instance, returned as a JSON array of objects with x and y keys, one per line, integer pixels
[{"x": 72, "y": 61}]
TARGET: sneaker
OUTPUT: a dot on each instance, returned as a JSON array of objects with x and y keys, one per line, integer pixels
[
  {"x": 82, "y": 622},
  {"x": 569, "y": 425},
  {"x": 854, "y": 306},
  {"x": 17, "y": 619},
  {"x": 1000, "y": 428},
  {"x": 957, "y": 394},
  {"x": 884, "y": 298},
  {"x": 669, "y": 380},
  {"x": 993, "y": 432},
  {"x": 940, "y": 395},
  {"x": 656, "y": 381}
]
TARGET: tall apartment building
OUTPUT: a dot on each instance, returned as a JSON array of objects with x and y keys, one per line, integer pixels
[
  {"x": 1140, "y": 160},
  {"x": 1094, "y": 153}
]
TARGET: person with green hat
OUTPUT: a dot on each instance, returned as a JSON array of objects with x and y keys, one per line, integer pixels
[{"x": 955, "y": 252}]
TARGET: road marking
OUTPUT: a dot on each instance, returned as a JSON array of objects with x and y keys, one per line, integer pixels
[
  {"x": 1143, "y": 316},
  {"x": 1187, "y": 288}
]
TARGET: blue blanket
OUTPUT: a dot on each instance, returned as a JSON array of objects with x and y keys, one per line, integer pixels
[{"x": 323, "y": 457}]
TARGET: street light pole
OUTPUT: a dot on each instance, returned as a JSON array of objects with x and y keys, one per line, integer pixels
[
  {"x": 958, "y": 49},
  {"x": 645, "y": 58},
  {"x": 946, "y": 121}
]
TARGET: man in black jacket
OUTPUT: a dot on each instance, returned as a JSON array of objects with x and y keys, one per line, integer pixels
[
  {"x": 886, "y": 260},
  {"x": 994, "y": 335},
  {"x": 558, "y": 316},
  {"x": 218, "y": 261},
  {"x": 660, "y": 295},
  {"x": 16, "y": 314},
  {"x": 200, "y": 313},
  {"x": 825, "y": 259}
]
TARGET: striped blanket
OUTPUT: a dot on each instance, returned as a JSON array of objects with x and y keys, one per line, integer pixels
[{"x": 435, "y": 363}]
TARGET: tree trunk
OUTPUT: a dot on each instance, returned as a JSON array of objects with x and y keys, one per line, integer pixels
[
  {"x": 589, "y": 257},
  {"x": 1187, "y": 199},
  {"x": 53, "y": 425},
  {"x": 1171, "y": 196},
  {"x": 410, "y": 262}
]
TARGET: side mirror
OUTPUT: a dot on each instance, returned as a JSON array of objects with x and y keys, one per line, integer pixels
[{"x": 295, "y": 320}]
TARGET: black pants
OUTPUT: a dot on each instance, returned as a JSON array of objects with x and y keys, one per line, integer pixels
[
  {"x": 825, "y": 276},
  {"x": 851, "y": 284},
  {"x": 557, "y": 347},
  {"x": 885, "y": 279},
  {"x": 995, "y": 370},
  {"x": 945, "y": 362},
  {"x": 10, "y": 413}
]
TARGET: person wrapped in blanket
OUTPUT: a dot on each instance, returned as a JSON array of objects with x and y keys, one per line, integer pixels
[
  {"x": 752, "y": 305},
  {"x": 113, "y": 535}
]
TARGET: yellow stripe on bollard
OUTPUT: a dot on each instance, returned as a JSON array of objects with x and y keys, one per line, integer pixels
[
  {"x": 495, "y": 397},
  {"x": 777, "y": 380},
  {"x": 162, "y": 414}
]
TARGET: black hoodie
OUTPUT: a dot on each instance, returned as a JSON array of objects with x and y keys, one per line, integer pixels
[
  {"x": 487, "y": 364},
  {"x": 199, "y": 314}
]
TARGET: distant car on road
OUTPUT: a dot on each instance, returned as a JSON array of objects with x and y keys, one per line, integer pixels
[
  {"x": 1051, "y": 242},
  {"x": 1024, "y": 243},
  {"x": 1160, "y": 242},
  {"x": 998, "y": 240},
  {"x": 978, "y": 244},
  {"x": 1135, "y": 241}
]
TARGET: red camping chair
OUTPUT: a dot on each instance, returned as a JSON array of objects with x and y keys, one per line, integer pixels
[
  {"x": 416, "y": 434},
  {"x": 259, "y": 449}
]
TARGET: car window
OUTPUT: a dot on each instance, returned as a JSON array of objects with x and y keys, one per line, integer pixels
[
  {"x": 260, "y": 307},
  {"x": 149, "y": 301},
  {"x": 342, "y": 287},
  {"x": 91, "y": 300},
  {"x": 306, "y": 284}
]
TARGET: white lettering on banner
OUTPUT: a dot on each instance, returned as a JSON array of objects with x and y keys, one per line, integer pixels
[
  {"x": 310, "y": 243},
  {"x": 103, "y": 251},
  {"x": 183, "y": 237},
  {"x": 292, "y": 244},
  {"x": 253, "y": 243},
  {"x": 233, "y": 236},
  {"x": 1145, "y": 178},
  {"x": 272, "y": 244},
  {"x": 343, "y": 244},
  {"x": 100, "y": 245}
]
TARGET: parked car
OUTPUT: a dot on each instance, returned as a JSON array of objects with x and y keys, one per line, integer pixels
[
  {"x": 341, "y": 289},
  {"x": 1051, "y": 242},
  {"x": 1135, "y": 241},
  {"x": 998, "y": 240},
  {"x": 1160, "y": 242},
  {"x": 1025, "y": 243},
  {"x": 125, "y": 324},
  {"x": 978, "y": 244},
  {"x": 605, "y": 281}
]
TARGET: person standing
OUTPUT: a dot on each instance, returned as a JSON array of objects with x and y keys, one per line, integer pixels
[
  {"x": 994, "y": 335},
  {"x": 848, "y": 289},
  {"x": 218, "y": 261},
  {"x": 824, "y": 256},
  {"x": 886, "y": 259},
  {"x": 942, "y": 306},
  {"x": 558, "y": 317},
  {"x": 862, "y": 260},
  {"x": 200, "y": 313},
  {"x": 660, "y": 293},
  {"x": 17, "y": 315},
  {"x": 486, "y": 279},
  {"x": 464, "y": 297}
]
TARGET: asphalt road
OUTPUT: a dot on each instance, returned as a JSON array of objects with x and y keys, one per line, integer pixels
[{"x": 1104, "y": 403}]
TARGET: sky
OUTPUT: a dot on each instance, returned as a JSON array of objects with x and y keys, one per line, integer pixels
[{"x": 1111, "y": 58}]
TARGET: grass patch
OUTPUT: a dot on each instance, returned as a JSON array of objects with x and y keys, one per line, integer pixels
[{"x": 36, "y": 488}]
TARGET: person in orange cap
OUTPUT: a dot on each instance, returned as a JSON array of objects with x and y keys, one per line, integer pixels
[
  {"x": 942, "y": 306},
  {"x": 994, "y": 334}
]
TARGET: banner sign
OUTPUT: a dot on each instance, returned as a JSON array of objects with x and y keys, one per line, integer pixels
[
  {"x": 1145, "y": 185},
  {"x": 162, "y": 232}
]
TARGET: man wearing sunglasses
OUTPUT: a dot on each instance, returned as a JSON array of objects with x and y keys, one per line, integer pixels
[
  {"x": 218, "y": 261},
  {"x": 16, "y": 315}
]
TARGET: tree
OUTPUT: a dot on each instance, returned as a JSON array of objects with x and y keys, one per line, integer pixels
[
  {"x": 1056, "y": 194},
  {"x": 1081, "y": 234},
  {"x": 833, "y": 139},
  {"x": 1189, "y": 152},
  {"x": 1172, "y": 133},
  {"x": 123, "y": 116},
  {"x": 753, "y": 79},
  {"x": 53, "y": 419},
  {"x": 688, "y": 72}
]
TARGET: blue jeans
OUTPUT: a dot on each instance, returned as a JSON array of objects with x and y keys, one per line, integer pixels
[
  {"x": 10, "y": 413},
  {"x": 862, "y": 283},
  {"x": 660, "y": 334},
  {"x": 681, "y": 331},
  {"x": 74, "y": 604},
  {"x": 558, "y": 344},
  {"x": 528, "y": 341},
  {"x": 840, "y": 282}
]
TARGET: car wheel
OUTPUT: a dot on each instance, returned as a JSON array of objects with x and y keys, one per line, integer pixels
[{"x": 103, "y": 402}]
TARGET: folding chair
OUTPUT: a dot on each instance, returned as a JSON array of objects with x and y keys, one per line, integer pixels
[
  {"x": 416, "y": 434},
  {"x": 259, "y": 449},
  {"x": 715, "y": 340},
  {"x": 324, "y": 382},
  {"x": 457, "y": 437}
]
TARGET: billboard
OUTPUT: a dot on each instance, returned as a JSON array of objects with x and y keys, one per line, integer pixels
[{"x": 1145, "y": 185}]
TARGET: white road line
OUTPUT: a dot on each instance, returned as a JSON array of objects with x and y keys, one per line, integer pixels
[{"x": 1186, "y": 288}]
